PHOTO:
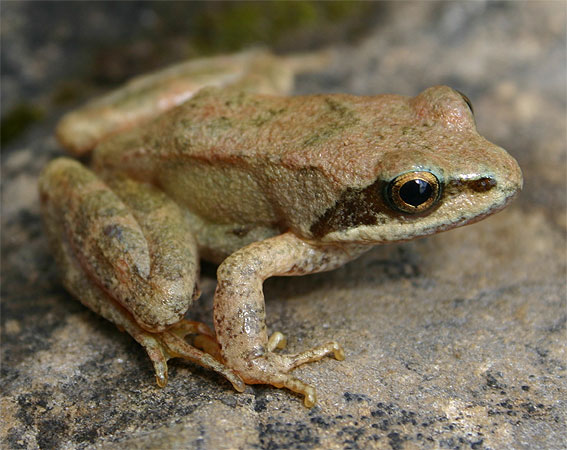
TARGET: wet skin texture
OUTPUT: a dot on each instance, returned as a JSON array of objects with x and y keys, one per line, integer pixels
[{"x": 261, "y": 183}]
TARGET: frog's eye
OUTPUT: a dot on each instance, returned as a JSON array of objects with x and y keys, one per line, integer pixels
[
  {"x": 467, "y": 101},
  {"x": 414, "y": 192}
]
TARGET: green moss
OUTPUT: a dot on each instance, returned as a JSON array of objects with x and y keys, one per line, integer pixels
[
  {"x": 68, "y": 92},
  {"x": 228, "y": 26},
  {"x": 18, "y": 120}
]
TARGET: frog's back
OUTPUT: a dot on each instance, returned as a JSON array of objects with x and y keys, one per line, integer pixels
[
  {"x": 318, "y": 131},
  {"x": 238, "y": 157}
]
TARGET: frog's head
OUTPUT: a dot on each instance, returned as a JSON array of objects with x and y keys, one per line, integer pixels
[{"x": 435, "y": 173}]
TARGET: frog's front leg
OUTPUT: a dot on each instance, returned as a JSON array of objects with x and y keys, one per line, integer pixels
[
  {"x": 128, "y": 254},
  {"x": 239, "y": 311}
]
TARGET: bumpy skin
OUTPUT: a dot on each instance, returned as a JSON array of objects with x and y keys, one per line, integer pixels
[{"x": 266, "y": 184}]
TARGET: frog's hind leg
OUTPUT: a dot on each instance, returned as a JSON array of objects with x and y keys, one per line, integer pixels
[
  {"x": 203, "y": 337},
  {"x": 160, "y": 347},
  {"x": 170, "y": 344},
  {"x": 128, "y": 258}
]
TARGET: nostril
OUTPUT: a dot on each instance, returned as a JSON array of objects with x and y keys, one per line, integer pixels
[{"x": 483, "y": 184}]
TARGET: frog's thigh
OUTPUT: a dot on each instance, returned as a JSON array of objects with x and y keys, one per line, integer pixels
[
  {"x": 239, "y": 308},
  {"x": 136, "y": 247},
  {"x": 159, "y": 346},
  {"x": 68, "y": 192}
]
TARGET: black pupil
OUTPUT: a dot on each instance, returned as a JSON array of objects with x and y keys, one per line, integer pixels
[{"x": 415, "y": 192}]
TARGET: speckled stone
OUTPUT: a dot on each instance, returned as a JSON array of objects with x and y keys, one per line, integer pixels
[{"x": 457, "y": 341}]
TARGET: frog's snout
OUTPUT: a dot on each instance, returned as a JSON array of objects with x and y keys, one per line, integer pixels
[
  {"x": 509, "y": 178},
  {"x": 486, "y": 186}
]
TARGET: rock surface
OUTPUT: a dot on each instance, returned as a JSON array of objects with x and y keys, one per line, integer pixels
[{"x": 456, "y": 341}]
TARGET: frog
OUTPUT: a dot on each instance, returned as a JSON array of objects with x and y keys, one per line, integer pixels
[{"x": 214, "y": 159}]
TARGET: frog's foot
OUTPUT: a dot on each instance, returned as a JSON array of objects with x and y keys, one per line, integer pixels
[
  {"x": 271, "y": 368},
  {"x": 277, "y": 340},
  {"x": 171, "y": 343},
  {"x": 204, "y": 338},
  {"x": 184, "y": 328}
]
